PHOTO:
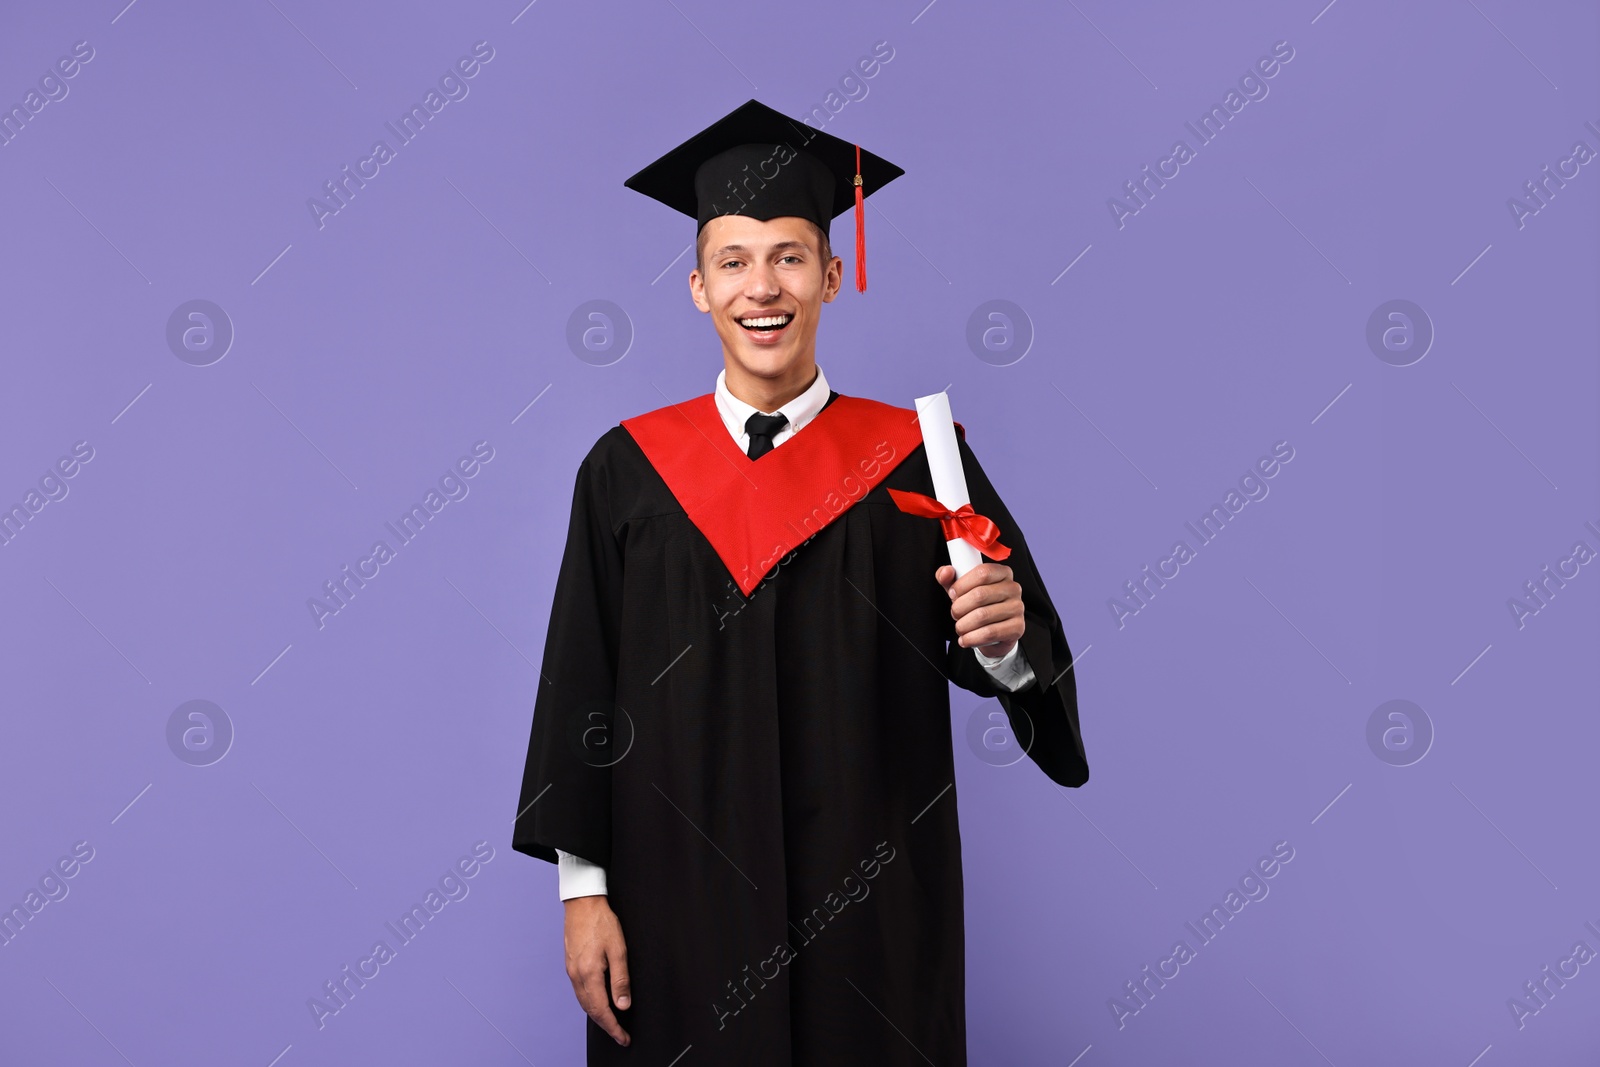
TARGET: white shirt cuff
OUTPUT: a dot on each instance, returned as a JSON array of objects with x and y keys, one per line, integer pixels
[
  {"x": 1011, "y": 671},
  {"x": 578, "y": 877}
]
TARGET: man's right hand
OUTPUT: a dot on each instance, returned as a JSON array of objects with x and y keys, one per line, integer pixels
[{"x": 594, "y": 946}]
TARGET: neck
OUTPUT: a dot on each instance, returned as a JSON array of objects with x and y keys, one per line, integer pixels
[{"x": 769, "y": 394}]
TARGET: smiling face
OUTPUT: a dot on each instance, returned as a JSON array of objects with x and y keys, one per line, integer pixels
[{"x": 764, "y": 284}]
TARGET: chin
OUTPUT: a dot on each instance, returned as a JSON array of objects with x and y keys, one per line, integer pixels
[
  {"x": 763, "y": 360},
  {"x": 764, "y": 364}
]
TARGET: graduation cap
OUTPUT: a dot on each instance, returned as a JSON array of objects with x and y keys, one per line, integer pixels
[{"x": 760, "y": 163}]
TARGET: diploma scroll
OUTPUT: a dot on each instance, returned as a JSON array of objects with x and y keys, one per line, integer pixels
[{"x": 944, "y": 460}]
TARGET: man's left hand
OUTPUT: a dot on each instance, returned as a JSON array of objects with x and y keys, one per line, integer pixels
[{"x": 987, "y": 607}]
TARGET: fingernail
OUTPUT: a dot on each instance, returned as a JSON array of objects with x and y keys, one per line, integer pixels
[{"x": 622, "y": 1001}]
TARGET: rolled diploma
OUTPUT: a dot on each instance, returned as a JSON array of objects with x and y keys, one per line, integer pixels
[{"x": 944, "y": 460}]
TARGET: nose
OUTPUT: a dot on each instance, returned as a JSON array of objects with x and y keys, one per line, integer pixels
[{"x": 761, "y": 283}]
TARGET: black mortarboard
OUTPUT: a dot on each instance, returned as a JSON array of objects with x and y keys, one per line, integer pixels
[{"x": 758, "y": 162}]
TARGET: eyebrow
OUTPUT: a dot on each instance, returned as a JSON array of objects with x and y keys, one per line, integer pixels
[{"x": 780, "y": 245}]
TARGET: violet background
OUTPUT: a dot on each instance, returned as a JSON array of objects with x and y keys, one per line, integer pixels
[{"x": 1230, "y": 313}]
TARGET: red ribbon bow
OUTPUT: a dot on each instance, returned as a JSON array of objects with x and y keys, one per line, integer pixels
[{"x": 963, "y": 523}]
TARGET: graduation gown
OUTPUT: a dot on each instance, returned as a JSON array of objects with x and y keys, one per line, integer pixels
[{"x": 743, "y": 715}]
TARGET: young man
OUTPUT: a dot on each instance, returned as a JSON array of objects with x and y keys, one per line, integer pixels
[{"x": 741, "y": 749}]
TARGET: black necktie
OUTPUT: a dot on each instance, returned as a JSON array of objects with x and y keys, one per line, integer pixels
[{"x": 761, "y": 428}]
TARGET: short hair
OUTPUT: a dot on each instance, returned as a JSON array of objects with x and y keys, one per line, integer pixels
[{"x": 823, "y": 244}]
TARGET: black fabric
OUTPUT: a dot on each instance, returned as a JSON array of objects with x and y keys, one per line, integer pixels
[
  {"x": 758, "y": 162},
  {"x": 739, "y": 765},
  {"x": 761, "y": 429}
]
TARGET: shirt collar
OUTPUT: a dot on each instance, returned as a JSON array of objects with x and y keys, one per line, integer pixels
[{"x": 799, "y": 411}]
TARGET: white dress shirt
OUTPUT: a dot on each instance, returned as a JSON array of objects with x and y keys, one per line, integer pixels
[{"x": 580, "y": 878}]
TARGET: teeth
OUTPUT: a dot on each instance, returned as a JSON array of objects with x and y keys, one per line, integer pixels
[{"x": 771, "y": 320}]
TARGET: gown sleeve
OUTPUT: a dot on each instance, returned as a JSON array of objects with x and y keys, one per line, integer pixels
[
  {"x": 565, "y": 801},
  {"x": 1047, "y": 708}
]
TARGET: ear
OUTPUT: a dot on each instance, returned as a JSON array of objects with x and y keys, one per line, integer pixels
[
  {"x": 697, "y": 290},
  {"x": 832, "y": 278}
]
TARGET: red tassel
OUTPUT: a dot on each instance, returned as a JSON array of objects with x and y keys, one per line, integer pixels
[{"x": 861, "y": 230}]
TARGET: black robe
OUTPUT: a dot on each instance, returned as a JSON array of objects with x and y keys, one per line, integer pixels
[{"x": 769, "y": 780}]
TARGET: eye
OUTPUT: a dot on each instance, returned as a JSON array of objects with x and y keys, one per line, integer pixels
[
  {"x": 793, "y": 257},
  {"x": 730, "y": 262}
]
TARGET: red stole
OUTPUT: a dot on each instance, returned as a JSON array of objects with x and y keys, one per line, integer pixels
[{"x": 755, "y": 512}]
